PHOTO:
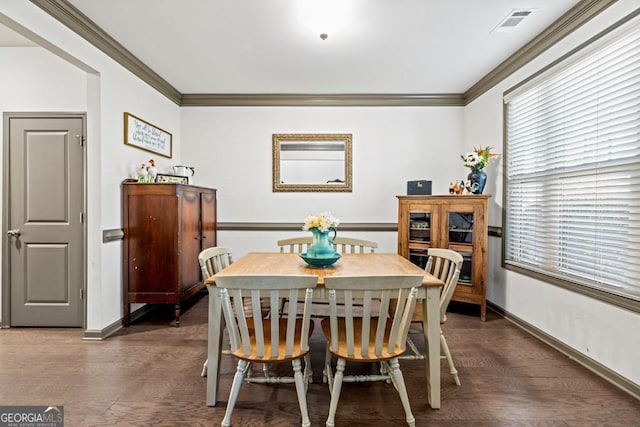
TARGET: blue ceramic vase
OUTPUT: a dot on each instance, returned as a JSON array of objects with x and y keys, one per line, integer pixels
[
  {"x": 478, "y": 179},
  {"x": 322, "y": 244}
]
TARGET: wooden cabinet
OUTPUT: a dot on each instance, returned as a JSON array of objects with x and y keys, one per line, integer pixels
[
  {"x": 165, "y": 228},
  {"x": 451, "y": 222}
]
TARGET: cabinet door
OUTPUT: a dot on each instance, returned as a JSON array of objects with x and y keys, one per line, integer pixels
[
  {"x": 152, "y": 241},
  {"x": 458, "y": 235},
  {"x": 208, "y": 219},
  {"x": 419, "y": 222},
  {"x": 190, "y": 237},
  {"x": 465, "y": 233}
]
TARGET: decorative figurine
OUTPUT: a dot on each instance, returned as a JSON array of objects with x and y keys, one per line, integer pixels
[
  {"x": 142, "y": 173},
  {"x": 152, "y": 170}
]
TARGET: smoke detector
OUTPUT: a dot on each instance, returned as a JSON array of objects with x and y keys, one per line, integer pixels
[{"x": 515, "y": 18}]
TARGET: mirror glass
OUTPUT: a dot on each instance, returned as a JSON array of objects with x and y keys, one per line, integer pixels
[{"x": 312, "y": 162}]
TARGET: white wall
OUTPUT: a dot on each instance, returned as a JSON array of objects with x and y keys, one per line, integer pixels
[
  {"x": 231, "y": 151},
  {"x": 601, "y": 331},
  {"x": 105, "y": 91}
]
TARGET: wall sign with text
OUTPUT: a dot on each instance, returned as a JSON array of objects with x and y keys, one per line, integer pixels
[{"x": 142, "y": 134}]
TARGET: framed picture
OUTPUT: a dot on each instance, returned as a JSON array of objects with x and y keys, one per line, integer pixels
[
  {"x": 145, "y": 136},
  {"x": 172, "y": 179}
]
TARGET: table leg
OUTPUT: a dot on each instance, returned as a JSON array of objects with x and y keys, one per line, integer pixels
[
  {"x": 214, "y": 345},
  {"x": 431, "y": 328}
]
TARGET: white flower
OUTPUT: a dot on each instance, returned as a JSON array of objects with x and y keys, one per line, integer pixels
[{"x": 322, "y": 221}]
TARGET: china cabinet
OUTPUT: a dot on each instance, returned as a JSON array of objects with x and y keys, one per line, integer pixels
[
  {"x": 457, "y": 222},
  {"x": 165, "y": 228}
]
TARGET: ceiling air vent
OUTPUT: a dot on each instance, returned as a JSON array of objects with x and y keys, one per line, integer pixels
[{"x": 512, "y": 20}]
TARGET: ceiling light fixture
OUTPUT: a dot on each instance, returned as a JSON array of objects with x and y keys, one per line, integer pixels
[{"x": 325, "y": 16}]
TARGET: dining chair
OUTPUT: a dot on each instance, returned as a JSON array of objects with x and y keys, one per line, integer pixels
[
  {"x": 445, "y": 264},
  {"x": 277, "y": 339},
  {"x": 343, "y": 245},
  {"x": 368, "y": 337},
  {"x": 213, "y": 260}
]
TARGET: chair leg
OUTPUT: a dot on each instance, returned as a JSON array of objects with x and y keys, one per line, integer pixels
[
  {"x": 308, "y": 372},
  {"x": 398, "y": 383},
  {"x": 447, "y": 355},
  {"x": 335, "y": 392},
  {"x": 238, "y": 378},
  {"x": 204, "y": 368},
  {"x": 326, "y": 373},
  {"x": 301, "y": 389}
]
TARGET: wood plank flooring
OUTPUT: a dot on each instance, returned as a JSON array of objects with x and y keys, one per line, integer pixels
[{"x": 149, "y": 375}]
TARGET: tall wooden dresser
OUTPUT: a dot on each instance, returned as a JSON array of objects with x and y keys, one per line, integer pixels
[
  {"x": 451, "y": 222},
  {"x": 165, "y": 228}
]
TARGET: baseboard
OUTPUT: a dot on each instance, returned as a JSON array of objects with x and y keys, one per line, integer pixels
[
  {"x": 597, "y": 368},
  {"x": 101, "y": 334}
]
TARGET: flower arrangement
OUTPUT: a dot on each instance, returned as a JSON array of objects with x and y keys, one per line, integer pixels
[
  {"x": 479, "y": 158},
  {"x": 323, "y": 221}
]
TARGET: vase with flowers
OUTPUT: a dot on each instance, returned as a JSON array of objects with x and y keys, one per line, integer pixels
[
  {"x": 323, "y": 227},
  {"x": 477, "y": 160}
]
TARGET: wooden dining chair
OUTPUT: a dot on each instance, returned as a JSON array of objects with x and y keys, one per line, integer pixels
[
  {"x": 277, "y": 339},
  {"x": 368, "y": 337},
  {"x": 445, "y": 264},
  {"x": 342, "y": 245},
  {"x": 213, "y": 260}
]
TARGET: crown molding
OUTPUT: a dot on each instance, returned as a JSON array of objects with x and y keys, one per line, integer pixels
[
  {"x": 68, "y": 15},
  {"x": 573, "y": 19},
  {"x": 320, "y": 100}
]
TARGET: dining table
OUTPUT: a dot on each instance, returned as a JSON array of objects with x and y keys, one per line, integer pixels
[{"x": 357, "y": 264}]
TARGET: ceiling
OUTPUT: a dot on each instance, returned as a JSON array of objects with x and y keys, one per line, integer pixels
[
  {"x": 379, "y": 46},
  {"x": 436, "y": 48}
]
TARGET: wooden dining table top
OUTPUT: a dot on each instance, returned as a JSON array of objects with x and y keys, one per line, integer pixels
[{"x": 259, "y": 263}]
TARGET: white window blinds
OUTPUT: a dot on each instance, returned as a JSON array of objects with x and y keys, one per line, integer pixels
[{"x": 573, "y": 169}]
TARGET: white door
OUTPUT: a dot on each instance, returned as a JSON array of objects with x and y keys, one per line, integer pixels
[{"x": 45, "y": 219}]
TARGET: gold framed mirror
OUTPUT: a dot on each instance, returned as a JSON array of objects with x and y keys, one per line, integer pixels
[{"x": 312, "y": 162}]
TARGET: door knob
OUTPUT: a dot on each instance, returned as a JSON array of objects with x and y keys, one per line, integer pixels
[{"x": 14, "y": 233}]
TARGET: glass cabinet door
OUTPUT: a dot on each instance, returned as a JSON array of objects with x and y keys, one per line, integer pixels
[
  {"x": 460, "y": 235},
  {"x": 420, "y": 227},
  {"x": 420, "y": 236},
  {"x": 461, "y": 227}
]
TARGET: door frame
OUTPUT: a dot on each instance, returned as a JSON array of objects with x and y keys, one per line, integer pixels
[{"x": 6, "y": 274}]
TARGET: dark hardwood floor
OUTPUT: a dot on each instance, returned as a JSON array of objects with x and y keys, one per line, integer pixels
[{"x": 149, "y": 375}]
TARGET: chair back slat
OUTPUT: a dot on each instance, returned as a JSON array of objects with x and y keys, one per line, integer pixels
[
  {"x": 214, "y": 260},
  {"x": 229, "y": 318},
  {"x": 306, "y": 318},
  {"x": 333, "y": 317},
  {"x": 254, "y": 336},
  {"x": 366, "y": 321},
  {"x": 387, "y": 339}
]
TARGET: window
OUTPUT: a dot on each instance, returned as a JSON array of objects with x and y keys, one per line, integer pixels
[{"x": 572, "y": 177}]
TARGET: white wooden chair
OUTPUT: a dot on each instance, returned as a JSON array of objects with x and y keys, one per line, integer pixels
[
  {"x": 213, "y": 260},
  {"x": 274, "y": 340},
  {"x": 343, "y": 245},
  {"x": 445, "y": 264},
  {"x": 368, "y": 337}
]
